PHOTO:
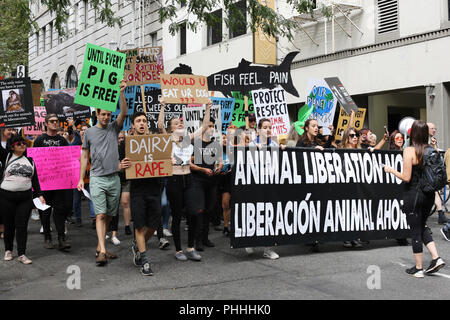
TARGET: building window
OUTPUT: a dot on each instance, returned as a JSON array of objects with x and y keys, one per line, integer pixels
[
  {"x": 183, "y": 38},
  {"x": 43, "y": 39},
  {"x": 240, "y": 27},
  {"x": 86, "y": 14},
  {"x": 154, "y": 38},
  {"x": 215, "y": 31},
  {"x": 76, "y": 19},
  {"x": 50, "y": 29},
  {"x": 71, "y": 78},
  {"x": 54, "y": 82},
  {"x": 387, "y": 16},
  {"x": 37, "y": 43}
]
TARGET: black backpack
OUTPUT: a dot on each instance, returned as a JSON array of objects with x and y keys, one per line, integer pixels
[{"x": 434, "y": 175}]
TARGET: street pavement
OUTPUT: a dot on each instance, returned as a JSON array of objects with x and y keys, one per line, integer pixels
[{"x": 223, "y": 273}]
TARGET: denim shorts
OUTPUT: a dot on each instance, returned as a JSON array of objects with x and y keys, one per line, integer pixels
[{"x": 105, "y": 194}]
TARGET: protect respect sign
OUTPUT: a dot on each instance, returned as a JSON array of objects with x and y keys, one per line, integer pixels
[{"x": 100, "y": 78}]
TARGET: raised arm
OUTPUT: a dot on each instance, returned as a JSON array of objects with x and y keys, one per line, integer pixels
[
  {"x": 161, "y": 128},
  {"x": 123, "y": 105},
  {"x": 199, "y": 132}
]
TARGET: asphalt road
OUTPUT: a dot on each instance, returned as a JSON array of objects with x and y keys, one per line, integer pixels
[{"x": 223, "y": 273}]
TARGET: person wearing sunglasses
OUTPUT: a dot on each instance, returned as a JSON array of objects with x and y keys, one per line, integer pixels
[
  {"x": 16, "y": 197},
  {"x": 59, "y": 200}
]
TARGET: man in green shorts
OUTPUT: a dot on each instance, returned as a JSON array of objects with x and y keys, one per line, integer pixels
[{"x": 101, "y": 141}]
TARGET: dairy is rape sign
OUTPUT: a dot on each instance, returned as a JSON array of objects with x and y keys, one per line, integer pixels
[
  {"x": 100, "y": 78},
  {"x": 150, "y": 156}
]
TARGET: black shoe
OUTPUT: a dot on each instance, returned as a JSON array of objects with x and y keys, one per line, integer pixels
[
  {"x": 435, "y": 265},
  {"x": 208, "y": 244},
  {"x": 199, "y": 246},
  {"x": 63, "y": 244},
  {"x": 146, "y": 270},
  {"x": 417, "y": 273},
  {"x": 403, "y": 242},
  {"x": 226, "y": 231},
  {"x": 446, "y": 234},
  {"x": 127, "y": 230},
  {"x": 442, "y": 218}
]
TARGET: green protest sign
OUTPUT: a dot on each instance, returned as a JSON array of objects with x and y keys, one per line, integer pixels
[
  {"x": 99, "y": 85},
  {"x": 238, "y": 118}
]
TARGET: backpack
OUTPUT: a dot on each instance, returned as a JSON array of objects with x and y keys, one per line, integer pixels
[{"x": 434, "y": 175}]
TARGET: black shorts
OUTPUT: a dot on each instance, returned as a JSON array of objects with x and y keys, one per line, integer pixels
[
  {"x": 225, "y": 183},
  {"x": 145, "y": 210}
]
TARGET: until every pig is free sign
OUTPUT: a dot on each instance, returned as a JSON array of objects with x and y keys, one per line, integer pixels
[{"x": 102, "y": 72}]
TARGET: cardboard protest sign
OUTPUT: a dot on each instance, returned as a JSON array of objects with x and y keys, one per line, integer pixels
[
  {"x": 39, "y": 118},
  {"x": 61, "y": 102},
  {"x": 344, "y": 121},
  {"x": 341, "y": 94},
  {"x": 323, "y": 103},
  {"x": 99, "y": 85},
  {"x": 16, "y": 109},
  {"x": 143, "y": 65},
  {"x": 130, "y": 93},
  {"x": 58, "y": 167},
  {"x": 184, "y": 88},
  {"x": 150, "y": 155},
  {"x": 238, "y": 118},
  {"x": 149, "y": 103},
  {"x": 247, "y": 78},
  {"x": 226, "y": 107},
  {"x": 347, "y": 195},
  {"x": 193, "y": 118},
  {"x": 271, "y": 104}
]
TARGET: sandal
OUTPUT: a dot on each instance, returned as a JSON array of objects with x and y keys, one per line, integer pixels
[{"x": 109, "y": 255}]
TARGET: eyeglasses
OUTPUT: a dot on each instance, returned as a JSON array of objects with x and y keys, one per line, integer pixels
[
  {"x": 53, "y": 121},
  {"x": 352, "y": 135},
  {"x": 19, "y": 143}
]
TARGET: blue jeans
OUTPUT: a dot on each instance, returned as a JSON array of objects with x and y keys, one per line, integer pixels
[{"x": 77, "y": 203}]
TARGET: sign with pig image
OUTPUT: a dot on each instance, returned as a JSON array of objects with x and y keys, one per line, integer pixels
[{"x": 150, "y": 156}]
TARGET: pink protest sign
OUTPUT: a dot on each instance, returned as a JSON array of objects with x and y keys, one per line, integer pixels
[
  {"x": 39, "y": 117},
  {"x": 57, "y": 167}
]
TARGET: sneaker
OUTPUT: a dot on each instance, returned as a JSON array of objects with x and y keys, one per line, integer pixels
[
  {"x": 270, "y": 254},
  {"x": 107, "y": 237},
  {"x": 442, "y": 218},
  {"x": 35, "y": 215},
  {"x": 115, "y": 241},
  {"x": 63, "y": 244},
  {"x": 435, "y": 265},
  {"x": 136, "y": 255},
  {"x": 146, "y": 270},
  {"x": 128, "y": 230},
  {"x": 48, "y": 244},
  {"x": 446, "y": 234},
  {"x": 101, "y": 260},
  {"x": 23, "y": 258},
  {"x": 180, "y": 256},
  {"x": 208, "y": 243},
  {"x": 8, "y": 256},
  {"x": 417, "y": 273},
  {"x": 193, "y": 255},
  {"x": 163, "y": 243},
  {"x": 167, "y": 233},
  {"x": 249, "y": 250}
]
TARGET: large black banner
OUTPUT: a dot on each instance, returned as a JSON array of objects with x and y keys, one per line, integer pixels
[
  {"x": 16, "y": 103},
  {"x": 302, "y": 195}
]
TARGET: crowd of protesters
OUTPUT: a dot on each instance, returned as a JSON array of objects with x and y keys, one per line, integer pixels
[{"x": 199, "y": 190}]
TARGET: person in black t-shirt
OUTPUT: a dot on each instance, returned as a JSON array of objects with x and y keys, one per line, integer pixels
[
  {"x": 206, "y": 165},
  {"x": 59, "y": 200}
]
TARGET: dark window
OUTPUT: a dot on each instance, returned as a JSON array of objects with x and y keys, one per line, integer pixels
[
  {"x": 54, "y": 82},
  {"x": 448, "y": 10},
  {"x": 183, "y": 38},
  {"x": 71, "y": 78},
  {"x": 215, "y": 31},
  {"x": 238, "y": 28}
]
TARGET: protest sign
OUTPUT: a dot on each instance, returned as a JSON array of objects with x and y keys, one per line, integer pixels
[
  {"x": 238, "y": 118},
  {"x": 341, "y": 94},
  {"x": 61, "y": 102},
  {"x": 57, "y": 167},
  {"x": 130, "y": 93},
  {"x": 99, "y": 85},
  {"x": 344, "y": 121},
  {"x": 245, "y": 78},
  {"x": 39, "y": 118},
  {"x": 149, "y": 103},
  {"x": 150, "y": 156},
  {"x": 143, "y": 65},
  {"x": 321, "y": 100},
  {"x": 16, "y": 108},
  {"x": 184, "y": 88},
  {"x": 345, "y": 195},
  {"x": 271, "y": 104},
  {"x": 226, "y": 108},
  {"x": 193, "y": 117}
]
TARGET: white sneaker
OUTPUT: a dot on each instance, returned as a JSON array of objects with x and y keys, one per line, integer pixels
[
  {"x": 270, "y": 254},
  {"x": 167, "y": 233},
  {"x": 115, "y": 241},
  {"x": 23, "y": 258},
  {"x": 8, "y": 256},
  {"x": 107, "y": 237},
  {"x": 35, "y": 215},
  {"x": 249, "y": 250}
]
